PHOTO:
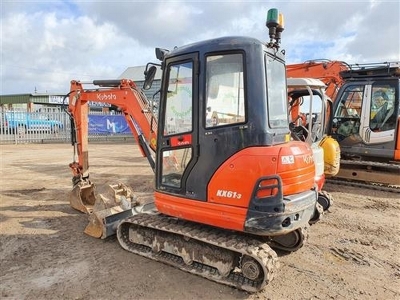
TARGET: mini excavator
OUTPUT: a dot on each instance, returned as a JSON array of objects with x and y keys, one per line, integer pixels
[{"x": 231, "y": 186}]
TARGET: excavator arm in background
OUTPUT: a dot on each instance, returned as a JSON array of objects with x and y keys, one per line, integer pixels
[{"x": 326, "y": 70}]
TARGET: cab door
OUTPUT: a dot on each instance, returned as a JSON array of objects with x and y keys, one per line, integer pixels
[
  {"x": 379, "y": 122},
  {"x": 366, "y": 118},
  {"x": 366, "y": 113},
  {"x": 177, "y": 146}
]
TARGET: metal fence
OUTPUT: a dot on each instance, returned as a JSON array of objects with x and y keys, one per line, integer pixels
[{"x": 21, "y": 127}]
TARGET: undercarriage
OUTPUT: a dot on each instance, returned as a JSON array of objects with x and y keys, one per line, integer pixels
[
  {"x": 242, "y": 260},
  {"x": 227, "y": 257},
  {"x": 368, "y": 174}
]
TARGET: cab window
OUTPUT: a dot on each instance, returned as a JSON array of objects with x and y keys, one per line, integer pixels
[
  {"x": 350, "y": 102},
  {"x": 383, "y": 104},
  {"x": 276, "y": 93},
  {"x": 178, "y": 112},
  {"x": 224, "y": 90}
]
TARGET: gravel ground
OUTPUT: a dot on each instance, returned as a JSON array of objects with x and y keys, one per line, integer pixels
[{"x": 353, "y": 253}]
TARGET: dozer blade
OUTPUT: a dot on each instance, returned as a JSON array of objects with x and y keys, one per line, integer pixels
[
  {"x": 82, "y": 197},
  {"x": 114, "y": 201},
  {"x": 104, "y": 223}
]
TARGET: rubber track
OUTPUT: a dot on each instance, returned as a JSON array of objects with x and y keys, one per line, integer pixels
[
  {"x": 387, "y": 166},
  {"x": 227, "y": 240},
  {"x": 370, "y": 186}
]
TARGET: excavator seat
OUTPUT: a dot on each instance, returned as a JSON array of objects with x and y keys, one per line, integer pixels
[{"x": 379, "y": 118}]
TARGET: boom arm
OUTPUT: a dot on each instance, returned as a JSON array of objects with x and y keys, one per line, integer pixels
[
  {"x": 134, "y": 106},
  {"x": 325, "y": 70}
]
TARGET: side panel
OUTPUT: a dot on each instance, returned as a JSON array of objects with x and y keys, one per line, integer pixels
[
  {"x": 267, "y": 177},
  {"x": 214, "y": 214},
  {"x": 233, "y": 183}
]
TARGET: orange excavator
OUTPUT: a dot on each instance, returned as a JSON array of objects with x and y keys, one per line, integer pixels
[
  {"x": 365, "y": 119},
  {"x": 230, "y": 185},
  {"x": 325, "y": 70}
]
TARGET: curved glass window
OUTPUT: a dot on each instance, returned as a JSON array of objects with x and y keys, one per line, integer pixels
[{"x": 276, "y": 93}]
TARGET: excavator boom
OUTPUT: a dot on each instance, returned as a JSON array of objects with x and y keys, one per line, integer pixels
[
  {"x": 115, "y": 204},
  {"x": 323, "y": 69},
  {"x": 130, "y": 100}
]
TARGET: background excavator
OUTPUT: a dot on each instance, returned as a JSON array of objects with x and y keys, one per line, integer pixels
[
  {"x": 325, "y": 70},
  {"x": 308, "y": 107},
  {"x": 365, "y": 119},
  {"x": 227, "y": 190}
]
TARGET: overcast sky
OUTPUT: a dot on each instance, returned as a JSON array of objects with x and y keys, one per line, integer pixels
[{"x": 46, "y": 44}]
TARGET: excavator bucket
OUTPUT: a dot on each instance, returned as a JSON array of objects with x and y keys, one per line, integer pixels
[
  {"x": 112, "y": 205},
  {"x": 82, "y": 197},
  {"x": 108, "y": 206}
]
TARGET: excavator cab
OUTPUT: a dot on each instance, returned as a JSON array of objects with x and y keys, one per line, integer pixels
[
  {"x": 366, "y": 120},
  {"x": 366, "y": 114},
  {"x": 211, "y": 138}
]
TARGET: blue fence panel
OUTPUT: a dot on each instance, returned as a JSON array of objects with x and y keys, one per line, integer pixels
[{"x": 108, "y": 124}]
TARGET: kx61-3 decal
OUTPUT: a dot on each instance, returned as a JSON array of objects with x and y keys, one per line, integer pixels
[{"x": 229, "y": 194}]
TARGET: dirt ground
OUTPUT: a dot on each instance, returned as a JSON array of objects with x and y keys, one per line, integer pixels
[{"x": 353, "y": 253}]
